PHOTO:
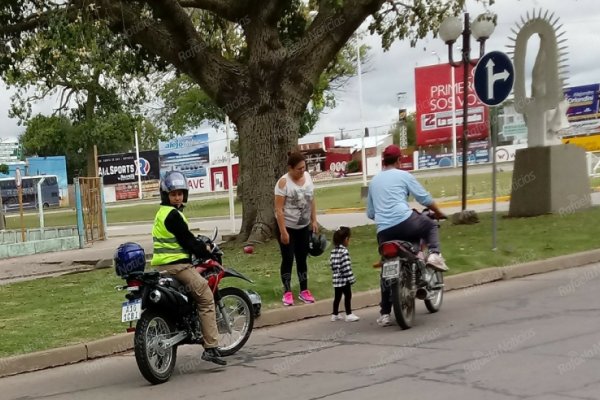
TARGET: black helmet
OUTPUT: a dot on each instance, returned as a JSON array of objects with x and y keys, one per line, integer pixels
[
  {"x": 173, "y": 180},
  {"x": 316, "y": 244}
]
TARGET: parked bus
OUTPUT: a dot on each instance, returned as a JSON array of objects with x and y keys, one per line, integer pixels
[{"x": 49, "y": 189}]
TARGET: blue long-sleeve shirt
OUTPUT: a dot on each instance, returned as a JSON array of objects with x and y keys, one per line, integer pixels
[{"x": 387, "y": 201}]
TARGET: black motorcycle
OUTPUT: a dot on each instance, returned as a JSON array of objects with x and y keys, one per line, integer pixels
[
  {"x": 167, "y": 316},
  {"x": 403, "y": 269}
]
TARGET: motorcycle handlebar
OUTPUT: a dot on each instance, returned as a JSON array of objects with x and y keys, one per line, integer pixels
[{"x": 429, "y": 213}]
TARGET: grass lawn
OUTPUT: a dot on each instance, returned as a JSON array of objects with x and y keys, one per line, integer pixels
[
  {"x": 328, "y": 197},
  {"x": 53, "y": 312}
]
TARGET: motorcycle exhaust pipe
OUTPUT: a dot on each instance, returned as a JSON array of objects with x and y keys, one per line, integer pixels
[
  {"x": 421, "y": 294},
  {"x": 155, "y": 296}
]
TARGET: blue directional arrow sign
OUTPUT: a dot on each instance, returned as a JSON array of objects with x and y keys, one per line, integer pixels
[{"x": 494, "y": 78}]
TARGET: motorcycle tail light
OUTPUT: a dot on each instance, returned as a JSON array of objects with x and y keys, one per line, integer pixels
[
  {"x": 389, "y": 250},
  {"x": 131, "y": 329},
  {"x": 134, "y": 283}
]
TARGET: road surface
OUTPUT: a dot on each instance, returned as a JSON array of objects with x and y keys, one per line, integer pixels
[{"x": 534, "y": 338}]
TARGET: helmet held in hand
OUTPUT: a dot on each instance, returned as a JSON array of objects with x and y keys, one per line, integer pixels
[{"x": 317, "y": 244}]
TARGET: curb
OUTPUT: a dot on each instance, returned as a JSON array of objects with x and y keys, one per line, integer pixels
[{"x": 124, "y": 342}]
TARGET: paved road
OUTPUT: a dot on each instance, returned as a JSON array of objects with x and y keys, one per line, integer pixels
[{"x": 534, "y": 338}]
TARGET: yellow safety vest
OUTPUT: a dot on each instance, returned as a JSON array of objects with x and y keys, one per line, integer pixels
[{"x": 166, "y": 247}]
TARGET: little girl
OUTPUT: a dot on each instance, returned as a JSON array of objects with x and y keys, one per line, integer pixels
[{"x": 343, "y": 278}]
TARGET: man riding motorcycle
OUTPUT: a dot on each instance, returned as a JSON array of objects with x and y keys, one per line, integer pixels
[
  {"x": 387, "y": 205},
  {"x": 173, "y": 245}
]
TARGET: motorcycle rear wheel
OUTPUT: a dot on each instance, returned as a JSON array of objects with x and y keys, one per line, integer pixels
[
  {"x": 156, "y": 364},
  {"x": 434, "y": 303},
  {"x": 403, "y": 303},
  {"x": 238, "y": 307}
]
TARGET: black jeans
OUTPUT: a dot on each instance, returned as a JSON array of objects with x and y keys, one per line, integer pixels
[
  {"x": 345, "y": 290},
  {"x": 298, "y": 248},
  {"x": 415, "y": 228}
]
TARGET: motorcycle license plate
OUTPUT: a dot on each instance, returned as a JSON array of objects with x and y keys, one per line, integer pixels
[
  {"x": 391, "y": 269},
  {"x": 131, "y": 310}
]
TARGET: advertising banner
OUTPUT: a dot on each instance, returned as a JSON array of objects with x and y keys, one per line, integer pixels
[
  {"x": 583, "y": 102},
  {"x": 121, "y": 168},
  {"x": 433, "y": 86},
  {"x": 477, "y": 153},
  {"x": 189, "y": 155}
]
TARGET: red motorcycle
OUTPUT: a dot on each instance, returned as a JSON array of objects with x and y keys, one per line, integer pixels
[{"x": 166, "y": 313}]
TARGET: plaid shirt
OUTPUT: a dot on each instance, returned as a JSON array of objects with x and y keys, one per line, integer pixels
[{"x": 341, "y": 266}]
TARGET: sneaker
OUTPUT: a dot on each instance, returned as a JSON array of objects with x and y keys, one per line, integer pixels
[
  {"x": 436, "y": 261},
  {"x": 336, "y": 317},
  {"x": 384, "y": 320},
  {"x": 288, "y": 299},
  {"x": 212, "y": 355},
  {"x": 352, "y": 318},
  {"x": 306, "y": 296}
]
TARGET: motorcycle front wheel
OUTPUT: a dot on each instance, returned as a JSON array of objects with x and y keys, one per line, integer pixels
[
  {"x": 154, "y": 362},
  {"x": 434, "y": 302},
  {"x": 235, "y": 330},
  {"x": 403, "y": 303}
]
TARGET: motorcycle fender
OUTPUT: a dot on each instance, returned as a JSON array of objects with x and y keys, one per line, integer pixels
[{"x": 232, "y": 272}]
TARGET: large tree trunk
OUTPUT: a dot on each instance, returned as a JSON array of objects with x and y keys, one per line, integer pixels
[{"x": 265, "y": 141}]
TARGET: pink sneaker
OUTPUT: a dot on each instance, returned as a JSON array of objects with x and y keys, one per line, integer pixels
[
  {"x": 288, "y": 299},
  {"x": 306, "y": 296}
]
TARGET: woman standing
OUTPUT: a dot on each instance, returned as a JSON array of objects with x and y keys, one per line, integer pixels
[{"x": 296, "y": 218}]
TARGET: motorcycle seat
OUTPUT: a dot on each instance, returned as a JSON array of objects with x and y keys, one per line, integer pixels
[{"x": 399, "y": 248}]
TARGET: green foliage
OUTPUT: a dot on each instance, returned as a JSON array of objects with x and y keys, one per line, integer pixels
[
  {"x": 3, "y": 169},
  {"x": 111, "y": 133},
  {"x": 92, "y": 69},
  {"x": 96, "y": 75},
  {"x": 353, "y": 166}
]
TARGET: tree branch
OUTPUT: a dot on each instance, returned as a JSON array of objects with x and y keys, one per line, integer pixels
[
  {"x": 232, "y": 10},
  {"x": 36, "y": 20},
  {"x": 325, "y": 37}
]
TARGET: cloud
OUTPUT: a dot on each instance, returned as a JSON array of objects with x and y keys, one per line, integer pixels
[{"x": 9, "y": 127}]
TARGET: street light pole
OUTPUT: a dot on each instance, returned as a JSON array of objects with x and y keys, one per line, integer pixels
[
  {"x": 450, "y": 30},
  {"x": 363, "y": 155}
]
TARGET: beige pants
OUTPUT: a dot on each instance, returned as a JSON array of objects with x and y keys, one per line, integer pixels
[{"x": 198, "y": 287}]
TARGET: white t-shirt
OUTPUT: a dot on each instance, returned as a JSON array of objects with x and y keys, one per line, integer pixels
[{"x": 298, "y": 201}]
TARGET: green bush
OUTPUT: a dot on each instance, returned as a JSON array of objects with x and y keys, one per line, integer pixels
[{"x": 353, "y": 166}]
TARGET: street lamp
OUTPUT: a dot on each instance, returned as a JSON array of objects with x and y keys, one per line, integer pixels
[{"x": 450, "y": 30}]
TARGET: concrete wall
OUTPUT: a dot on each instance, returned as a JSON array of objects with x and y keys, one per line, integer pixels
[{"x": 37, "y": 241}]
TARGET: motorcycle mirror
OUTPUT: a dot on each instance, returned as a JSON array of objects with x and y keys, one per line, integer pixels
[{"x": 215, "y": 233}]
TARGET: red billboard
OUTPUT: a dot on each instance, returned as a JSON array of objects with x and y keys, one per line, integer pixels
[{"x": 433, "y": 86}]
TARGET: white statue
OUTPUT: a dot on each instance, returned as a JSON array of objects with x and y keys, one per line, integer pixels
[{"x": 545, "y": 111}]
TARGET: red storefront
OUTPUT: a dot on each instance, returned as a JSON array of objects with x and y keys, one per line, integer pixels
[{"x": 218, "y": 177}]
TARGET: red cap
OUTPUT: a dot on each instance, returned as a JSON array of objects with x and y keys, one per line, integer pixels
[{"x": 391, "y": 151}]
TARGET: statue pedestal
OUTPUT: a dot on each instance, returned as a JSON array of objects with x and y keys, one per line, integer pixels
[{"x": 549, "y": 179}]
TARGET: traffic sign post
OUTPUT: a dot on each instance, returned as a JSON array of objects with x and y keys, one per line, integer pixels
[
  {"x": 18, "y": 182},
  {"x": 494, "y": 79}
]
